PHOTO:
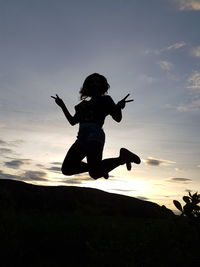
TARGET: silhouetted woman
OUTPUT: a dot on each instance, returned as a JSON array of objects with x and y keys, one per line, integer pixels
[{"x": 90, "y": 114}]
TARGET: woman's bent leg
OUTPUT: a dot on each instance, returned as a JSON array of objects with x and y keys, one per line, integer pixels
[
  {"x": 98, "y": 167},
  {"x": 73, "y": 163}
]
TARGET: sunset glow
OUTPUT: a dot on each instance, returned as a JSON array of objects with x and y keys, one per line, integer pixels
[{"x": 151, "y": 51}]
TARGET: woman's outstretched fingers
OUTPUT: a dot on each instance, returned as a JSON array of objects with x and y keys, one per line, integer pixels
[
  {"x": 129, "y": 100},
  {"x": 126, "y": 97}
]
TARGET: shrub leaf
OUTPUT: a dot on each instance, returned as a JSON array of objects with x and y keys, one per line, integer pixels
[{"x": 177, "y": 204}]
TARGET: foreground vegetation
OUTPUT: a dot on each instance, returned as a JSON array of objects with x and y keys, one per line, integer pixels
[
  {"x": 56, "y": 239},
  {"x": 32, "y": 236}
]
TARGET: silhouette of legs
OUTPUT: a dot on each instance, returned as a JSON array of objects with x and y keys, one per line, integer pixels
[
  {"x": 96, "y": 167},
  {"x": 73, "y": 163}
]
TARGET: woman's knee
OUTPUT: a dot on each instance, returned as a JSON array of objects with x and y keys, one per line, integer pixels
[
  {"x": 66, "y": 170},
  {"x": 95, "y": 173}
]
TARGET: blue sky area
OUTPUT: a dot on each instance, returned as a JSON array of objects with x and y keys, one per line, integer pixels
[{"x": 150, "y": 49}]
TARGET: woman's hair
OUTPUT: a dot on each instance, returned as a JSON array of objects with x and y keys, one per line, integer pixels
[{"x": 94, "y": 84}]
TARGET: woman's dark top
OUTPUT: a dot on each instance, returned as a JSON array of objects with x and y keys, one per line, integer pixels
[{"x": 95, "y": 110}]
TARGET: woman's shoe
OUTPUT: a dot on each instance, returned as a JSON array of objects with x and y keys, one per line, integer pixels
[
  {"x": 128, "y": 166},
  {"x": 106, "y": 176},
  {"x": 127, "y": 157}
]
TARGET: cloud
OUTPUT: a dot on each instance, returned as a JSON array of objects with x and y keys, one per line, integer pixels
[
  {"x": 40, "y": 165},
  {"x": 5, "y": 151},
  {"x": 11, "y": 143},
  {"x": 2, "y": 125},
  {"x": 158, "y": 162},
  {"x": 4, "y": 175},
  {"x": 54, "y": 169},
  {"x": 25, "y": 176},
  {"x": 72, "y": 181},
  {"x": 194, "y": 80},
  {"x": 191, "y": 106},
  {"x": 146, "y": 79},
  {"x": 155, "y": 51},
  {"x": 188, "y": 190},
  {"x": 142, "y": 198},
  {"x": 16, "y": 163},
  {"x": 165, "y": 65},
  {"x": 188, "y": 4},
  {"x": 77, "y": 180},
  {"x": 34, "y": 175},
  {"x": 29, "y": 175},
  {"x": 194, "y": 84},
  {"x": 56, "y": 163},
  {"x": 3, "y": 143},
  {"x": 171, "y": 47},
  {"x": 195, "y": 51},
  {"x": 5, "y": 146},
  {"x": 180, "y": 180},
  {"x": 179, "y": 169},
  {"x": 176, "y": 46}
]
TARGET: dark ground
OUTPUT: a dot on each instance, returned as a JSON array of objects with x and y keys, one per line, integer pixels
[{"x": 72, "y": 226}]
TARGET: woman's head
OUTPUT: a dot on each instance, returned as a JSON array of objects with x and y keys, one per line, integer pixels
[{"x": 94, "y": 85}]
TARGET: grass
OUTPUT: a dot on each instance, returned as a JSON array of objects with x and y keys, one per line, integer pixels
[{"x": 38, "y": 238}]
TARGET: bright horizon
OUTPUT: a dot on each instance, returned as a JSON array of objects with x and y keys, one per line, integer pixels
[{"x": 150, "y": 51}]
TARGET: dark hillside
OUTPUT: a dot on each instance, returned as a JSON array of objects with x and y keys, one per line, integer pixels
[
  {"x": 43, "y": 226},
  {"x": 23, "y": 196}
]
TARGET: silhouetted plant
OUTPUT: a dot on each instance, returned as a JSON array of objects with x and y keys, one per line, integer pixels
[{"x": 191, "y": 208}]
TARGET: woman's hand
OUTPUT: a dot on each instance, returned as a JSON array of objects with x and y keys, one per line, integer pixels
[
  {"x": 122, "y": 103},
  {"x": 59, "y": 101}
]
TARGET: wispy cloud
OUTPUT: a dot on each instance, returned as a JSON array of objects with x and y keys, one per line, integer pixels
[
  {"x": 11, "y": 143},
  {"x": 25, "y": 176},
  {"x": 146, "y": 79},
  {"x": 143, "y": 198},
  {"x": 194, "y": 80},
  {"x": 179, "y": 169},
  {"x": 76, "y": 180},
  {"x": 180, "y": 180},
  {"x": 195, "y": 51},
  {"x": 56, "y": 163},
  {"x": 16, "y": 163},
  {"x": 4, "y": 175},
  {"x": 165, "y": 65},
  {"x": 6, "y": 146},
  {"x": 2, "y": 125},
  {"x": 176, "y": 46},
  {"x": 171, "y": 47},
  {"x": 188, "y": 4},
  {"x": 158, "y": 162},
  {"x": 54, "y": 169},
  {"x": 34, "y": 176},
  {"x": 190, "y": 106},
  {"x": 5, "y": 151},
  {"x": 3, "y": 143}
]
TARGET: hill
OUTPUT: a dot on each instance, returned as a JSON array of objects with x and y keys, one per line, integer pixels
[
  {"x": 72, "y": 226},
  {"x": 23, "y": 196}
]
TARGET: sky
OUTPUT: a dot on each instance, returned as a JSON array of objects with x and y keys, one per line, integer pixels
[{"x": 150, "y": 49}]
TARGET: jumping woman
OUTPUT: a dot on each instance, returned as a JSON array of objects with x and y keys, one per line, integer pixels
[{"x": 90, "y": 114}]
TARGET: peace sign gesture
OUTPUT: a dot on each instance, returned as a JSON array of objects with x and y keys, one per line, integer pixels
[
  {"x": 59, "y": 101},
  {"x": 123, "y": 102}
]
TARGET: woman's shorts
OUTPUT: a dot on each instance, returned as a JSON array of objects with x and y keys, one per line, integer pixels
[{"x": 90, "y": 132}]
